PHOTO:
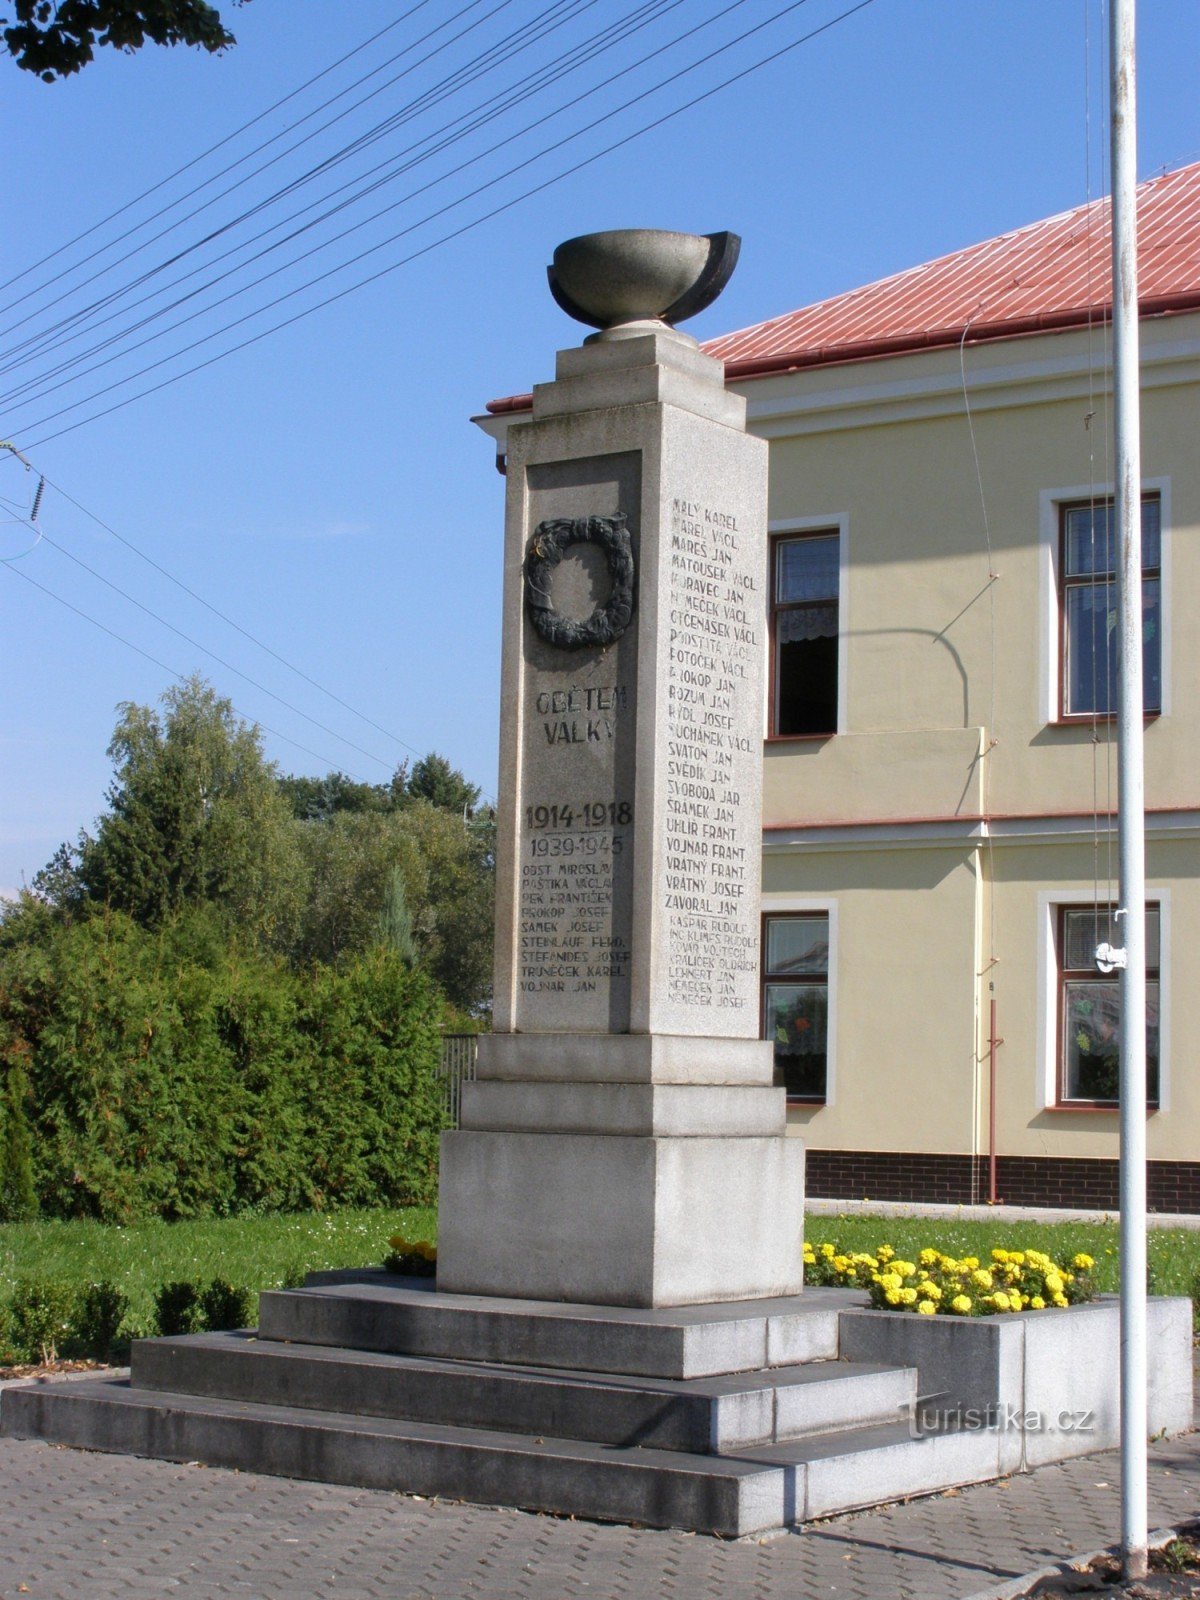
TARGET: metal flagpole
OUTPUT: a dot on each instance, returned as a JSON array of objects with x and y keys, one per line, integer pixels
[{"x": 1130, "y": 789}]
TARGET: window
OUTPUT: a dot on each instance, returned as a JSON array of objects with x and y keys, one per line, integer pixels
[
  {"x": 796, "y": 1000},
  {"x": 1089, "y": 1006},
  {"x": 1087, "y": 565},
  {"x": 804, "y": 633}
]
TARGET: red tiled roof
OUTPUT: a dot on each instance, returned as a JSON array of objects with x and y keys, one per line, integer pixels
[{"x": 1050, "y": 275}]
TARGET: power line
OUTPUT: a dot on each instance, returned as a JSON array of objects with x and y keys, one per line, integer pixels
[
  {"x": 509, "y": 97},
  {"x": 75, "y": 326},
  {"x": 181, "y": 677},
  {"x": 471, "y": 4},
  {"x": 455, "y": 233},
  {"x": 204, "y": 154},
  {"x": 196, "y": 645},
  {"x": 229, "y": 621}
]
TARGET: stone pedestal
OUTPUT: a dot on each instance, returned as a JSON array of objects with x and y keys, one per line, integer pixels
[{"x": 624, "y": 1144}]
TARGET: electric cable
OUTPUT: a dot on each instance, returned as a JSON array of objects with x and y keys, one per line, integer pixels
[
  {"x": 228, "y": 620},
  {"x": 35, "y": 388},
  {"x": 212, "y": 149},
  {"x": 512, "y": 95},
  {"x": 75, "y": 327},
  {"x": 499, "y": 5},
  {"x": 181, "y": 677},
  {"x": 539, "y": 188}
]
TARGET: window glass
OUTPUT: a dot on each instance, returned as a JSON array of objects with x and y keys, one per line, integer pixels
[
  {"x": 806, "y": 569},
  {"x": 797, "y": 944},
  {"x": 796, "y": 999},
  {"x": 1085, "y": 928},
  {"x": 1091, "y": 1020},
  {"x": 1091, "y": 544},
  {"x": 797, "y": 1020}
]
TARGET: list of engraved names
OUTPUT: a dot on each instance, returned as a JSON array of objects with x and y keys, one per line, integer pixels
[{"x": 713, "y": 716}]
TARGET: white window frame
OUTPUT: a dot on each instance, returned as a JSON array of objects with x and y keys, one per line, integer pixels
[
  {"x": 840, "y": 522},
  {"x": 1050, "y": 503},
  {"x": 775, "y": 905},
  {"x": 1049, "y": 900}
]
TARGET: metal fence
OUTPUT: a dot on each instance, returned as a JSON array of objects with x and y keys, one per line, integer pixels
[{"x": 459, "y": 1051}]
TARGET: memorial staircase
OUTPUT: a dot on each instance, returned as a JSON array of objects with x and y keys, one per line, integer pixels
[{"x": 735, "y": 1419}]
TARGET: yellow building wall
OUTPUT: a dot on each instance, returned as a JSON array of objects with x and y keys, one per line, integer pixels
[
  {"x": 947, "y": 716},
  {"x": 932, "y": 643},
  {"x": 903, "y": 999}
]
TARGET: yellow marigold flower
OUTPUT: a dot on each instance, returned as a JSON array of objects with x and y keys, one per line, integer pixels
[
  {"x": 948, "y": 1264},
  {"x": 927, "y": 1307},
  {"x": 1060, "y": 1300},
  {"x": 1017, "y": 1257},
  {"x": 892, "y": 1297},
  {"x": 840, "y": 1263},
  {"x": 1083, "y": 1262},
  {"x": 906, "y": 1269},
  {"x": 999, "y": 1255},
  {"x": 961, "y": 1303},
  {"x": 909, "y": 1296},
  {"x": 1054, "y": 1283},
  {"x": 927, "y": 1257},
  {"x": 828, "y": 1251},
  {"x": 1036, "y": 1303},
  {"x": 885, "y": 1252},
  {"x": 981, "y": 1278},
  {"x": 930, "y": 1291},
  {"x": 890, "y": 1281},
  {"x": 969, "y": 1263},
  {"x": 398, "y": 1242},
  {"x": 1000, "y": 1300}
]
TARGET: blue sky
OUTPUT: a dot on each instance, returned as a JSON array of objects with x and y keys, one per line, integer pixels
[{"x": 324, "y": 488}]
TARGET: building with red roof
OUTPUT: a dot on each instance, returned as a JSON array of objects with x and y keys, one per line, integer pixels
[{"x": 939, "y": 761}]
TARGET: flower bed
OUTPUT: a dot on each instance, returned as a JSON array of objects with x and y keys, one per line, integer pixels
[
  {"x": 414, "y": 1258},
  {"x": 935, "y": 1283}
]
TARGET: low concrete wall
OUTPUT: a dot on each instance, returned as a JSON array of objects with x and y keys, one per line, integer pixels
[{"x": 1046, "y": 1381}]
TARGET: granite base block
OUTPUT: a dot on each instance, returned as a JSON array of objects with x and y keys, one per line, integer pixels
[{"x": 625, "y": 1221}]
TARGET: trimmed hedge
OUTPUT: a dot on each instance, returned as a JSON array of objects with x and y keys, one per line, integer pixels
[{"x": 173, "y": 1074}]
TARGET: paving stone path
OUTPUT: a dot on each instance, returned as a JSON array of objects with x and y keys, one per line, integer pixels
[{"x": 81, "y": 1526}]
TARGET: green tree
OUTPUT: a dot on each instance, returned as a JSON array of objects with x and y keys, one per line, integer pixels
[
  {"x": 55, "y": 38},
  {"x": 318, "y": 799},
  {"x": 435, "y": 780},
  {"x": 395, "y": 920},
  {"x": 195, "y": 817}
]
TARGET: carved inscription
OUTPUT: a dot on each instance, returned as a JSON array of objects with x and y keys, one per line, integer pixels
[
  {"x": 712, "y": 718},
  {"x": 575, "y": 838}
]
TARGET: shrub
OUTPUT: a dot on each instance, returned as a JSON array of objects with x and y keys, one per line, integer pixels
[
  {"x": 41, "y": 1318},
  {"x": 18, "y": 1201},
  {"x": 222, "y": 1306},
  {"x": 178, "y": 1309},
  {"x": 173, "y": 1074},
  {"x": 100, "y": 1310}
]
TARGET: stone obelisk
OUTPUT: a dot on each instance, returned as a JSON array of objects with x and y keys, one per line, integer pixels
[{"x": 624, "y": 1143}]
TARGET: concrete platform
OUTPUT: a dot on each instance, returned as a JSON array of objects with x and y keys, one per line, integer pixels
[{"x": 733, "y": 1418}]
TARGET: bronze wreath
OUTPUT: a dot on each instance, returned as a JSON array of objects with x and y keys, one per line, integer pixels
[{"x": 550, "y": 541}]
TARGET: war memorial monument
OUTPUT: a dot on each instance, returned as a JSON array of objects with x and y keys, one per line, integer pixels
[{"x": 617, "y": 1328}]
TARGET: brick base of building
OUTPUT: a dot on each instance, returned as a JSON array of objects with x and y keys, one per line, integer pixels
[{"x": 1083, "y": 1184}]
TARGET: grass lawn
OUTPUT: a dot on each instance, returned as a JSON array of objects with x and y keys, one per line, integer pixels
[
  {"x": 263, "y": 1252},
  {"x": 1174, "y": 1253},
  {"x": 252, "y": 1252}
]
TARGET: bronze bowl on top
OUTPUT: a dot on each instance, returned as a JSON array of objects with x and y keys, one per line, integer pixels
[{"x": 638, "y": 275}]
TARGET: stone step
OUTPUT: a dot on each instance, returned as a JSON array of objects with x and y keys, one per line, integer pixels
[
  {"x": 714, "y": 1414},
  {"x": 376, "y": 1310},
  {"x": 870, "y": 1466},
  {"x": 659, "y": 1488},
  {"x": 754, "y": 1491}
]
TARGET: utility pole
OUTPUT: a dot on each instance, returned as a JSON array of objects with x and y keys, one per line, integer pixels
[{"x": 1130, "y": 787}]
